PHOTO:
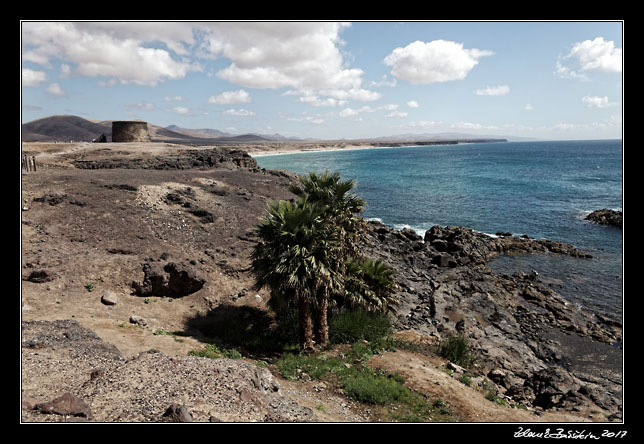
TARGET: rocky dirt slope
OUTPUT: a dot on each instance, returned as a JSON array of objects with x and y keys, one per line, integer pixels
[{"x": 120, "y": 264}]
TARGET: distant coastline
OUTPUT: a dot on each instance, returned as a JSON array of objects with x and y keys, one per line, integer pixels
[{"x": 269, "y": 150}]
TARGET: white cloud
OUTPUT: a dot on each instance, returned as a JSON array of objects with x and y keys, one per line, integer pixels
[
  {"x": 390, "y": 107},
  {"x": 32, "y": 78},
  {"x": 564, "y": 72},
  {"x": 173, "y": 98},
  {"x": 589, "y": 55},
  {"x": 305, "y": 56},
  {"x": 315, "y": 100},
  {"x": 350, "y": 112},
  {"x": 435, "y": 61},
  {"x": 384, "y": 82},
  {"x": 315, "y": 120},
  {"x": 397, "y": 114},
  {"x": 65, "y": 71},
  {"x": 142, "y": 106},
  {"x": 55, "y": 90},
  {"x": 597, "y": 55},
  {"x": 500, "y": 90},
  {"x": 111, "y": 82},
  {"x": 230, "y": 98},
  {"x": 239, "y": 112},
  {"x": 181, "y": 110},
  {"x": 279, "y": 54},
  {"x": 107, "y": 49},
  {"x": 528, "y": 107},
  {"x": 413, "y": 104},
  {"x": 596, "y": 102}
]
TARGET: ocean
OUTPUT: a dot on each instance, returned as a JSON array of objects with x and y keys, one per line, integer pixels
[{"x": 541, "y": 189}]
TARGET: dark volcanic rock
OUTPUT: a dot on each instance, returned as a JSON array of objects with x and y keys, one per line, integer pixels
[
  {"x": 445, "y": 287},
  {"x": 171, "y": 279},
  {"x": 606, "y": 217},
  {"x": 40, "y": 276},
  {"x": 219, "y": 157}
]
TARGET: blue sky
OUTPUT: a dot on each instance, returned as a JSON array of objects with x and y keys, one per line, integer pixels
[{"x": 330, "y": 80}]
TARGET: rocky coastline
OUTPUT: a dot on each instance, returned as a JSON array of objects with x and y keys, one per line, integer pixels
[
  {"x": 523, "y": 331},
  {"x": 197, "y": 207}
]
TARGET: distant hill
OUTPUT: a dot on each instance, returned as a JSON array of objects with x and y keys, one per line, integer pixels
[
  {"x": 202, "y": 132},
  {"x": 209, "y": 133},
  {"x": 63, "y": 129}
]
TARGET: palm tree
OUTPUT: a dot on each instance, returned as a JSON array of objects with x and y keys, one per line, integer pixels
[
  {"x": 342, "y": 209},
  {"x": 295, "y": 259},
  {"x": 368, "y": 284}
]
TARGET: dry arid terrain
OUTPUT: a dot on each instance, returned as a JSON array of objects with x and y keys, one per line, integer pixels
[{"x": 101, "y": 222}]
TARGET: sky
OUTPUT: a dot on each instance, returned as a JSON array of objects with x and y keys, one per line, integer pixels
[{"x": 553, "y": 80}]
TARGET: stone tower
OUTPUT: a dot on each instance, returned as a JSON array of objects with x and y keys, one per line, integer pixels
[{"x": 130, "y": 131}]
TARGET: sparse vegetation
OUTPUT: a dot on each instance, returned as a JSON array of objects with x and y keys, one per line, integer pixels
[
  {"x": 213, "y": 352},
  {"x": 455, "y": 348},
  {"x": 385, "y": 392},
  {"x": 356, "y": 325},
  {"x": 347, "y": 369}
]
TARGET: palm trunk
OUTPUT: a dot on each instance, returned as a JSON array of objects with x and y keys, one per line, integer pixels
[
  {"x": 306, "y": 325},
  {"x": 322, "y": 326}
]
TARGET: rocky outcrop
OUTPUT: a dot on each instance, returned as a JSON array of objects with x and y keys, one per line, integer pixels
[
  {"x": 516, "y": 326},
  {"x": 171, "y": 279},
  {"x": 606, "y": 217},
  {"x": 219, "y": 157}
]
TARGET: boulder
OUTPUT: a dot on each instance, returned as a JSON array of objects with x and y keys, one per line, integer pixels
[
  {"x": 138, "y": 320},
  {"x": 66, "y": 405},
  {"x": 553, "y": 386},
  {"x": 176, "y": 413},
  {"x": 171, "y": 279},
  {"x": 109, "y": 298}
]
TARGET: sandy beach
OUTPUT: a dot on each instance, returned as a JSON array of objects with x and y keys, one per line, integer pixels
[{"x": 278, "y": 149}]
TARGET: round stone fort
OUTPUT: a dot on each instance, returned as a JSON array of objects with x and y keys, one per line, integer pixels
[{"x": 130, "y": 131}]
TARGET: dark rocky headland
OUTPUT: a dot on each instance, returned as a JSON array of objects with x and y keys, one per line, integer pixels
[{"x": 140, "y": 228}]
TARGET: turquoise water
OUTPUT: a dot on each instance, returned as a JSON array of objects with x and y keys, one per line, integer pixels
[{"x": 541, "y": 189}]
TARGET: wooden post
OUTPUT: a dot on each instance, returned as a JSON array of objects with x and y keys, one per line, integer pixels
[{"x": 33, "y": 158}]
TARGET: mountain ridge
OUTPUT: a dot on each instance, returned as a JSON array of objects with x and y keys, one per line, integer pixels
[{"x": 74, "y": 128}]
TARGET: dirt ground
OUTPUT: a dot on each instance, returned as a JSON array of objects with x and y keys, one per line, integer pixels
[{"x": 85, "y": 234}]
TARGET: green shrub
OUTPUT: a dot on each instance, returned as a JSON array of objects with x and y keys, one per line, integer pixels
[
  {"x": 291, "y": 366},
  {"x": 371, "y": 388},
  {"x": 466, "y": 379},
  {"x": 213, "y": 352},
  {"x": 456, "y": 349},
  {"x": 351, "y": 326}
]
